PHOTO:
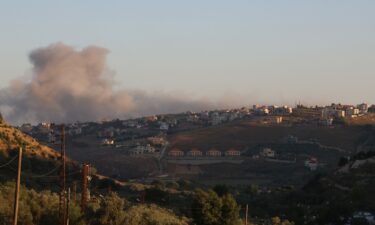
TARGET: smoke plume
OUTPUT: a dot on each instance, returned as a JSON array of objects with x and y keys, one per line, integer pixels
[{"x": 68, "y": 85}]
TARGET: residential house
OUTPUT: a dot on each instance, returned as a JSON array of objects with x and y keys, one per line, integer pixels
[
  {"x": 351, "y": 112},
  {"x": 213, "y": 153},
  {"x": 340, "y": 113},
  {"x": 164, "y": 126},
  {"x": 194, "y": 152},
  {"x": 108, "y": 141},
  {"x": 267, "y": 152},
  {"x": 312, "y": 163},
  {"x": 44, "y": 128},
  {"x": 176, "y": 153},
  {"x": 142, "y": 149},
  {"x": 157, "y": 141},
  {"x": 192, "y": 118},
  {"x": 216, "y": 118},
  {"x": 232, "y": 152}
]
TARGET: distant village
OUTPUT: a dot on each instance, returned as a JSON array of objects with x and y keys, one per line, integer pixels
[{"x": 148, "y": 135}]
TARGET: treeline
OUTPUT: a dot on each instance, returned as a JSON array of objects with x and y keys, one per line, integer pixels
[
  {"x": 212, "y": 207},
  {"x": 42, "y": 208}
]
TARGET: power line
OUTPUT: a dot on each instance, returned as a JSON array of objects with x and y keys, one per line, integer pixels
[
  {"x": 45, "y": 174},
  {"x": 9, "y": 162},
  {"x": 50, "y": 172}
]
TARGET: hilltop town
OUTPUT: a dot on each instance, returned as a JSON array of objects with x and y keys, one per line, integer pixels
[
  {"x": 161, "y": 140},
  {"x": 149, "y": 134}
]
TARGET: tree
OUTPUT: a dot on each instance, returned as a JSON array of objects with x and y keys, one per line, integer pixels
[
  {"x": 210, "y": 209},
  {"x": 206, "y": 208},
  {"x": 111, "y": 211},
  {"x": 229, "y": 211},
  {"x": 151, "y": 215}
]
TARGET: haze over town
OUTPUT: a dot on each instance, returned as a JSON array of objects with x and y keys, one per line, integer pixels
[{"x": 179, "y": 56}]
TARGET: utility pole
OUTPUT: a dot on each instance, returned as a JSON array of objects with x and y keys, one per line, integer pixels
[
  {"x": 62, "y": 205},
  {"x": 85, "y": 173},
  {"x": 67, "y": 208},
  {"x": 74, "y": 190},
  {"x": 17, "y": 191},
  {"x": 247, "y": 210}
]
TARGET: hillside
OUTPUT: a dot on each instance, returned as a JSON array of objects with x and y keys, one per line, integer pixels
[
  {"x": 363, "y": 120},
  {"x": 326, "y": 144},
  {"x": 40, "y": 164},
  {"x": 245, "y": 134},
  {"x": 11, "y": 138}
]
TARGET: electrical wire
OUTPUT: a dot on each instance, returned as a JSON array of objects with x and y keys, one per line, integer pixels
[
  {"x": 45, "y": 174},
  {"x": 9, "y": 162}
]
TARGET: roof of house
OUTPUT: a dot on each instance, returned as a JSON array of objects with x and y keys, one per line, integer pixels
[
  {"x": 195, "y": 150},
  {"x": 213, "y": 150}
]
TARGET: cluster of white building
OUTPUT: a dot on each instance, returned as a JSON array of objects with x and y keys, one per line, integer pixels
[
  {"x": 338, "y": 110},
  {"x": 272, "y": 110},
  {"x": 218, "y": 117}
]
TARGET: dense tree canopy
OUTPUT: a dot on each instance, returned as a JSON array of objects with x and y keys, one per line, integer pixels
[{"x": 210, "y": 209}]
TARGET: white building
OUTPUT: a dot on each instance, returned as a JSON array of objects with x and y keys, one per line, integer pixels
[
  {"x": 142, "y": 149},
  {"x": 351, "y": 111},
  {"x": 277, "y": 119},
  {"x": 164, "y": 126},
  {"x": 312, "y": 163},
  {"x": 267, "y": 152},
  {"x": 217, "y": 119},
  {"x": 108, "y": 141},
  {"x": 340, "y": 113}
]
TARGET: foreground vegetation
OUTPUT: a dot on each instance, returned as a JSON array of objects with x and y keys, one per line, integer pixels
[{"x": 42, "y": 208}]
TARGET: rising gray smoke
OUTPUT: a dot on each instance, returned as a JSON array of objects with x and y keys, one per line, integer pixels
[{"x": 69, "y": 85}]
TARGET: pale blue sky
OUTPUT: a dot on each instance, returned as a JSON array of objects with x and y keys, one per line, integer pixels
[{"x": 313, "y": 51}]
